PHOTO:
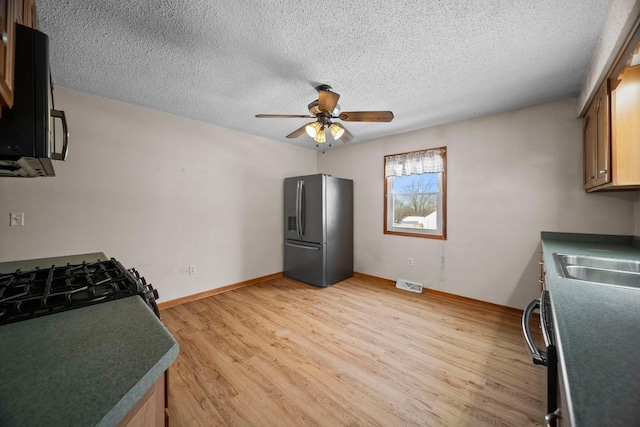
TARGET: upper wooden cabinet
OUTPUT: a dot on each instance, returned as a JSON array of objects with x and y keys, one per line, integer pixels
[
  {"x": 597, "y": 141},
  {"x": 625, "y": 132},
  {"x": 29, "y": 15},
  {"x": 7, "y": 50},
  {"x": 611, "y": 127},
  {"x": 12, "y": 11}
]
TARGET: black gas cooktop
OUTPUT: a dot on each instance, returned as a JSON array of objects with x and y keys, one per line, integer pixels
[{"x": 41, "y": 291}]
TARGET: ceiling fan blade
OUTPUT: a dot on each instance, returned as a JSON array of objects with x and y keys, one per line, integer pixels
[
  {"x": 296, "y": 133},
  {"x": 366, "y": 116},
  {"x": 346, "y": 136},
  {"x": 282, "y": 116},
  {"x": 327, "y": 100}
]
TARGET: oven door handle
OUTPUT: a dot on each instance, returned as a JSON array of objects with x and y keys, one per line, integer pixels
[
  {"x": 539, "y": 357},
  {"x": 551, "y": 417}
]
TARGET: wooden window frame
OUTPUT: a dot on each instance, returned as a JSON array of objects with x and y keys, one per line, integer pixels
[{"x": 443, "y": 235}]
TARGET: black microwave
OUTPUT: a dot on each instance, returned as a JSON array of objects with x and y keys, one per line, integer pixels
[{"x": 27, "y": 131}]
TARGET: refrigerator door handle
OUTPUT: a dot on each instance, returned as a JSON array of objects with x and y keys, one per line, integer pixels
[
  {"x": 302, "y": 210},
  {"x": 298, "y": 208},
  {"x": 293, "y": 245}
]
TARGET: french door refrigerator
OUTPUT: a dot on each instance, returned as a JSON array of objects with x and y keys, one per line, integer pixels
[{"x": 318, "y": 229}]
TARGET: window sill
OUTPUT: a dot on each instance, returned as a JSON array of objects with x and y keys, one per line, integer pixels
[{"x": 422, "y": 235}]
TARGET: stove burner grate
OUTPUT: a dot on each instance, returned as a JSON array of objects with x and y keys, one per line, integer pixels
[{"x": 28, "y": 294}]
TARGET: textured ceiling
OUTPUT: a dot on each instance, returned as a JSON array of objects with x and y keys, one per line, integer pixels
[{"x": 223, "y": 62}]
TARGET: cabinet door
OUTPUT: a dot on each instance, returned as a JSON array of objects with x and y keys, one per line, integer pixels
[
  {"x": 34, "y": 15},
  {"x": 625, "y": 106},
  {"x": 18, "y": 12},
  {"x": 149, "y": 411},
  {"x": 541, "y": 278},
  {"x": 590, "y": 139},
  {"x": 29, "y": 16},
  {"x": 7, "y": 24},
  {"x": 603, "y": 146}
]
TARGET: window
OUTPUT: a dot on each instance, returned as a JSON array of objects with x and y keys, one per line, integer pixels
[{"x": 415, "y": 193}]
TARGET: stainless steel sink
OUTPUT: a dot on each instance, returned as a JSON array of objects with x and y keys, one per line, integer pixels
[
  {"x": 597, "y": 262},
  {"x": 609, "y": 271},
  {"x": 608, "y": 277}
]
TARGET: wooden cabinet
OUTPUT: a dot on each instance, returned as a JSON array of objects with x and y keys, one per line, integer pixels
[
  {"x": 625, "y": 131},
  {"x": 11, "y": 11},
  {"x": 150, "y": 411},
  {"x": 29, "y": 15},
  {"x": 597, "y": 141},
  {"x": 611, "y": 126},
  {"x": 590, "y": 141},
  {"x": 7, "y": 50},
  {"x": 542, "y": 278}
]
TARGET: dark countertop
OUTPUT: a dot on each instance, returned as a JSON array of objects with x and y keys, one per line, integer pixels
[
  {"x": 597, "y": 327},
  {"x": 87, "y": 366}
]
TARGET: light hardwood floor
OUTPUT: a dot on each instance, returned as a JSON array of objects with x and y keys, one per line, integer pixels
[{"x": 282, "y": 353}]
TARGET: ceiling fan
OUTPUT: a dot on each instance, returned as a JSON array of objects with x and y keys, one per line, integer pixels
[{"x": 325, "y": 109}]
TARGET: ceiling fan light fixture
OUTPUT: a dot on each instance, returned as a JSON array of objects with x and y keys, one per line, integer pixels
[
  {"x": 337, "y": 130},
  {"x": 313, "y": 129},
  {"x": 320, "y": 137},
  {"x": 323, "y": 110}
]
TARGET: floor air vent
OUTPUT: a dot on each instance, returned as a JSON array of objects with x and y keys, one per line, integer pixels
[{"x": 409, "y": 286}]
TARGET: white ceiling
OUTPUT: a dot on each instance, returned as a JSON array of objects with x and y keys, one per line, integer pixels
[{"x": 223, "y": 62}]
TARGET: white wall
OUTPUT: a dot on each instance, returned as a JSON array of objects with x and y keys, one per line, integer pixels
[
  {"x": 510, "y": 176},
  {"x": 158, "y": 193}
]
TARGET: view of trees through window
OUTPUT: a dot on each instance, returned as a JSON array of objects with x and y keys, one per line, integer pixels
[
  {"x": 415, "y": 197},
  {"x": 415, "y": 188}
]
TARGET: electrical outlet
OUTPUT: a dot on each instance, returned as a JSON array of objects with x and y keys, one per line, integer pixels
[
  {"x": 16, "y": 218},
  {"x": 410, "y": 262},
  {"x": 192, "y": 270}
]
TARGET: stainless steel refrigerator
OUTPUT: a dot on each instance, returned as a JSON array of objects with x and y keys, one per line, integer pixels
[{"x": 318, "y": 229}]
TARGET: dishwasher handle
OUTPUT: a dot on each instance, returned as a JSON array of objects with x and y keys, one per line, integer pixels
[{"x": 539, "y": 357}]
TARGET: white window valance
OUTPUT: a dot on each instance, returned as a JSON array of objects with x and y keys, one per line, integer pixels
[{"x": 417, "y": 162}]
